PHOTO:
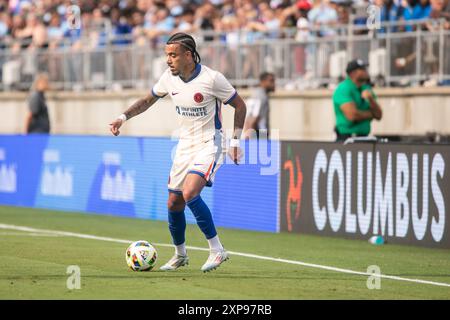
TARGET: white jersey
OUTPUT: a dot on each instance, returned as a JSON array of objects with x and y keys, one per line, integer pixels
[{"x": 197, "y": 102}]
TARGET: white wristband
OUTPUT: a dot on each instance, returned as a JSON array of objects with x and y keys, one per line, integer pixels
[
  {"x": 122, "y": 117},
  {"x": 234, "y": 143}
]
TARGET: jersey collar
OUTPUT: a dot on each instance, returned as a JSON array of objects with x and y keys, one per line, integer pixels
[{"x": 198, "y": 68}]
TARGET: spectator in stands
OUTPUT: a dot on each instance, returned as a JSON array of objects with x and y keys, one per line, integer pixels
[
  {"x": 303, "y": 33},
  {"x": 343, "y": 9},
  {"x": 187, "y": 23},
  {"x": 166, "y": 22},
  {"x": 405, "y": 14},
  {"x": 4, "y": 25},
  {"x": 3, "y": 5},
  {"x": 161, "y": 25},
  {"x": 149, "y": 21},
  {"x": 446, "y": 14},
  {"x": 55, "y": 31},
  {"x": 235, "y": 42},
  {"x": 32, "y": 23},
  {"x": 227, "y": 8},
  {"x": 55, "y": 34},
  {"x": 421, "y": 10},
  {"x": 206, "y": 19},
  {"x": 412, "y": 10},
  {"x": 437, "y": 12},
  {"x": 39, "y": 35},
  {"x": 150, "y": 18},
  {"x": 246, "y": 16},
  {"x": 389, "y": 13},
  {"x": 123, "y": 27},
  {"x": 73, "y": 39},
  {"x": 271, "y": 24},
  {"x": 404, "y": 46},
  {"x": 303, "y": 52},
  {"x": 430, "y": 65},
  {"x": 37, "y": 118},
  {"x": 434, "y": 24},
  {"x": 73, "y": 31},
  {"x": 138, "y": 23},
  {"x": 258, "y": 110},
  {"x": 446, "y": 11},
  {"x": 355, "y": 103},
  {"x": 18, "y": 25},
  {"x": 322, "y": 16}
]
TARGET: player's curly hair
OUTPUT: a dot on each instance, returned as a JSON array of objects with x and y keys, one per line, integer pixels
[{"x": 187, "y": 42}]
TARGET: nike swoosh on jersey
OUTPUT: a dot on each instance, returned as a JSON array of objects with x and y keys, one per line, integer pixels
[{"x": 175, "y": 93}]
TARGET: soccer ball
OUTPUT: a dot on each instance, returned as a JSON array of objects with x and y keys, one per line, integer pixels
[{"x": 141, "y": 256}]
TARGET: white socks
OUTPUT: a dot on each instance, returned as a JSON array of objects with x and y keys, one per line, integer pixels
[
  {"x": 214, "y": 244},
  {"x": 181, "y": 249}
]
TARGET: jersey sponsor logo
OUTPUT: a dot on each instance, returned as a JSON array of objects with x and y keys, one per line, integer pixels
[
  {"x": 191, "y": 111},
  {"x": 8, "y": 175},
  {"x": 198, "y": 97},
  {"x": 56, "y": 179}
]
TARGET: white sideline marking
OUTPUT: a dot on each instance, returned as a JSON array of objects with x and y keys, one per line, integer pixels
[
  {"x": 248, "y": 255},
  {"x": 30, "y": 234}
]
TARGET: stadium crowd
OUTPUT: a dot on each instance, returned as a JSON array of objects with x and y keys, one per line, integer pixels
[
  {"x": 43, "y": 23},
  {"x": 32, "y": 32}
]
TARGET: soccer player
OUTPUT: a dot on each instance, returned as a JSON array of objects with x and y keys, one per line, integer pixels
[{"x": 197, "y": 93}]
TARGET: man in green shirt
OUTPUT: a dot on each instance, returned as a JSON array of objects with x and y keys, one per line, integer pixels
[{"x": 355, "y": 104}]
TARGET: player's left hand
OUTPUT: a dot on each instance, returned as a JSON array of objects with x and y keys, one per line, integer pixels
[{"x": 235, "y": 154}]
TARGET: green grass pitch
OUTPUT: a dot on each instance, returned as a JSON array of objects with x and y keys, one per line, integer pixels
[{"x": 34, "y": 265}]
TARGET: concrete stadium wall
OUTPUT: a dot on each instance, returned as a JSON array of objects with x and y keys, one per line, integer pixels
[{"x": 298, "y": 115}]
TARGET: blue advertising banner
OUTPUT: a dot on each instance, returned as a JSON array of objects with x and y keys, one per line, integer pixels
[
  {"x": 246, "y": 196},
  {"x": 20, "y": 165},
  {"x": 127, "y": 176}
]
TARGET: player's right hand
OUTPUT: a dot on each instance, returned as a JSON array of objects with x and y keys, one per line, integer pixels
[
  {"x": 366, "y": 94},
  {"x": 114, "y": 126},
  {"x": 235, "y": 153}
]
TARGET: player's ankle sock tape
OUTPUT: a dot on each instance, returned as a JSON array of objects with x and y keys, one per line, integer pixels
[
  {"x": 203, "y": 216},
  {"x": 177, "y": 226}
]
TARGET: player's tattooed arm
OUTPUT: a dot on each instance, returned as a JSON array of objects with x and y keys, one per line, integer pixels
[
  {"x": 140, "y": 106},
  {"x": 137, "y": 108},
  {"x": 239, "y": 116}
]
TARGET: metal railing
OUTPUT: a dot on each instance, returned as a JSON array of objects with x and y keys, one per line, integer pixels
[{"x": 299, "y": 60}]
